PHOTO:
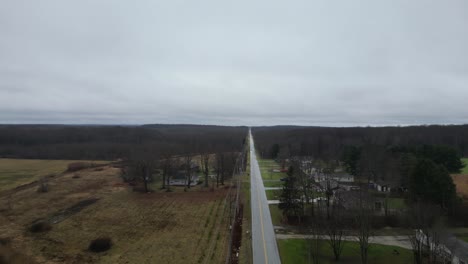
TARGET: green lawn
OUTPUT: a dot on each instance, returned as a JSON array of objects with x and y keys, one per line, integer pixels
[
  {"x": 266, "y": 168},
  {"x": 273, "y": 194},
  {"x": 273, "y": 183},
  {"x": 396, "y": 203},
  {"x": 465, "y": 170},
  {"x": 15, "y": 172},
  {"x": 276, "y": 214},
  {"x": 463, "y": 237},
  {"x": 295, "y": 251}
]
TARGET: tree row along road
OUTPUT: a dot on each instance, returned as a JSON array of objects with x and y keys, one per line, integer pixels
[{"x": 265, "y": 249}]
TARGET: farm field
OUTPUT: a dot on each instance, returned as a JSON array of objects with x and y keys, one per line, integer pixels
[
  {"x": 15, "y": 172},
  {"x": 175, "y": 227},
  {"x": 295, "y": 251}
]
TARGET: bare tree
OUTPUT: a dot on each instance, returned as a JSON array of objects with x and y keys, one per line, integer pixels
[
  {"x": 205, "y": 162},
  {"x": 335, "y": 229},
  {"x": 314, "y": 231},
  {"x": 167, "y": 167},
  {"x": 363, "y": 221},
  {"x": 425, "y": 219},
  {"x": 188, "y": 168},
  {"x": 305, "y": 183},
  {"x": 219, "y": 168},
  {"x": 140, "y": 170}
]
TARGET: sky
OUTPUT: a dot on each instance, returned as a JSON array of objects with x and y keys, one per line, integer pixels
[{"x": 327, "y": 63}]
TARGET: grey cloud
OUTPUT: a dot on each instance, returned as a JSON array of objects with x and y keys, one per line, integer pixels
[{"x": 235, "y": 63}]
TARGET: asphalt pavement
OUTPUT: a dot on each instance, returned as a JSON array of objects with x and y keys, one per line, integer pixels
[{"x": 265, "y": 249}]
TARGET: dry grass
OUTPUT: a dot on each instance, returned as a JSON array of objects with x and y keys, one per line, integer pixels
[
  {"x": 15, "y": 172},
  {"x": 461, "y": 182},
  {"x": 177, "y": 227}
]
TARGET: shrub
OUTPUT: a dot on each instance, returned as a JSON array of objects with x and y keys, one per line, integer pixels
[
  {"x": 39, "y": 226},
  {"x": 76, "y": 166},
  {"x": 43, "y": 186},
  {"x": 100, "y": 244}
]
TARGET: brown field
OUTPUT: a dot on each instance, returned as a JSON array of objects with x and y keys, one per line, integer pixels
[
  {"x": 161, "y": 227},
  {"x": 15, "y": 172},
  {"x": 461, "y": 182}
]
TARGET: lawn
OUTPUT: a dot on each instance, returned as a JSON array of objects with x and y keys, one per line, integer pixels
[
  {"x": 266, "y": 168},
  {"x": 465, "y": 162},
  {"x": 15, "y": 172},
  {"x": 273, "y": 194},
  {"x": 295, "y": 251},
  {"x": 276, "y": 214},
  {"x": 273, "y": 183},
  {"x": 396, "y": 203}
]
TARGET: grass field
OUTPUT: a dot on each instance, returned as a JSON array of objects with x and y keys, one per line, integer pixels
[
  {"x": 176, "y": 227},
  {"x": 15, "y": 172},
  {"x": 295, "y": 251}
]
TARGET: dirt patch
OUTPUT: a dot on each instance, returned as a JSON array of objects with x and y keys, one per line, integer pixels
[
  {"x": 461, "y": 182},
  {"x": 76, "y": 208}
]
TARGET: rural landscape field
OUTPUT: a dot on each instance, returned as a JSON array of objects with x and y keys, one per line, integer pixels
[{"x": 234, "y": 132}]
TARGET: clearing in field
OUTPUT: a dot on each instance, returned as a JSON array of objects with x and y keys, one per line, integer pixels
[{"x": 161, "y": 227}]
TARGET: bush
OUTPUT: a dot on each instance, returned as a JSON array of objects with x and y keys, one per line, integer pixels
[
  {"x": 43, "y": 186},
  {"x": 39, "y": 226},
  {"x": 76, "y": 166},
  {"x": 100, "y": 244}
]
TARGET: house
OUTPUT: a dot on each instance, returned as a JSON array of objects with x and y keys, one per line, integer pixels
[
  {"x": 179, "y": 177},
  {"x": 338, "y": 177}
]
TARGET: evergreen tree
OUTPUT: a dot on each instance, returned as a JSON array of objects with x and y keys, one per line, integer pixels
[{"x": 290, "y": 198}]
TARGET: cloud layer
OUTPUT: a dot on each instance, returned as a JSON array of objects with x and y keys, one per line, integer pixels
[{"x": 234, "y": 62}]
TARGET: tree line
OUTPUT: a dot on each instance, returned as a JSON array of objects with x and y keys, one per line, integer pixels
[{"x": 115, "y": 142}]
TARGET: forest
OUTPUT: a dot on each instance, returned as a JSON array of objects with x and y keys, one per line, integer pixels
[{"x": 115, "y": 142}]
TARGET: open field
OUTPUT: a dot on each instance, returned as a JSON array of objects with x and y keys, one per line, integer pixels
[
  {"x": 295, "y": 251},
  {"x": 15, "y": 172},
  {"x": 176, "y": 227}
]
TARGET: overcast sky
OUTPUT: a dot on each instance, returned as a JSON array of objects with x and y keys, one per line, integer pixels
[{"x": 332, "y": 63}]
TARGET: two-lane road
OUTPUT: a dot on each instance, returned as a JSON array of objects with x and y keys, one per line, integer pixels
[{"x": 265, "y": 249}]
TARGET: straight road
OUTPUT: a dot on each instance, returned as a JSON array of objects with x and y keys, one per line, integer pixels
[{"x": 265, "y": 249}]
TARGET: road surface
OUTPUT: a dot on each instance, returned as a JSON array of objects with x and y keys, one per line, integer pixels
[{"x": 265, "y": 249}]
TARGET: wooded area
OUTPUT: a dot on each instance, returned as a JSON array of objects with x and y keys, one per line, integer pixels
[{"x": 115, "y": 142}]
